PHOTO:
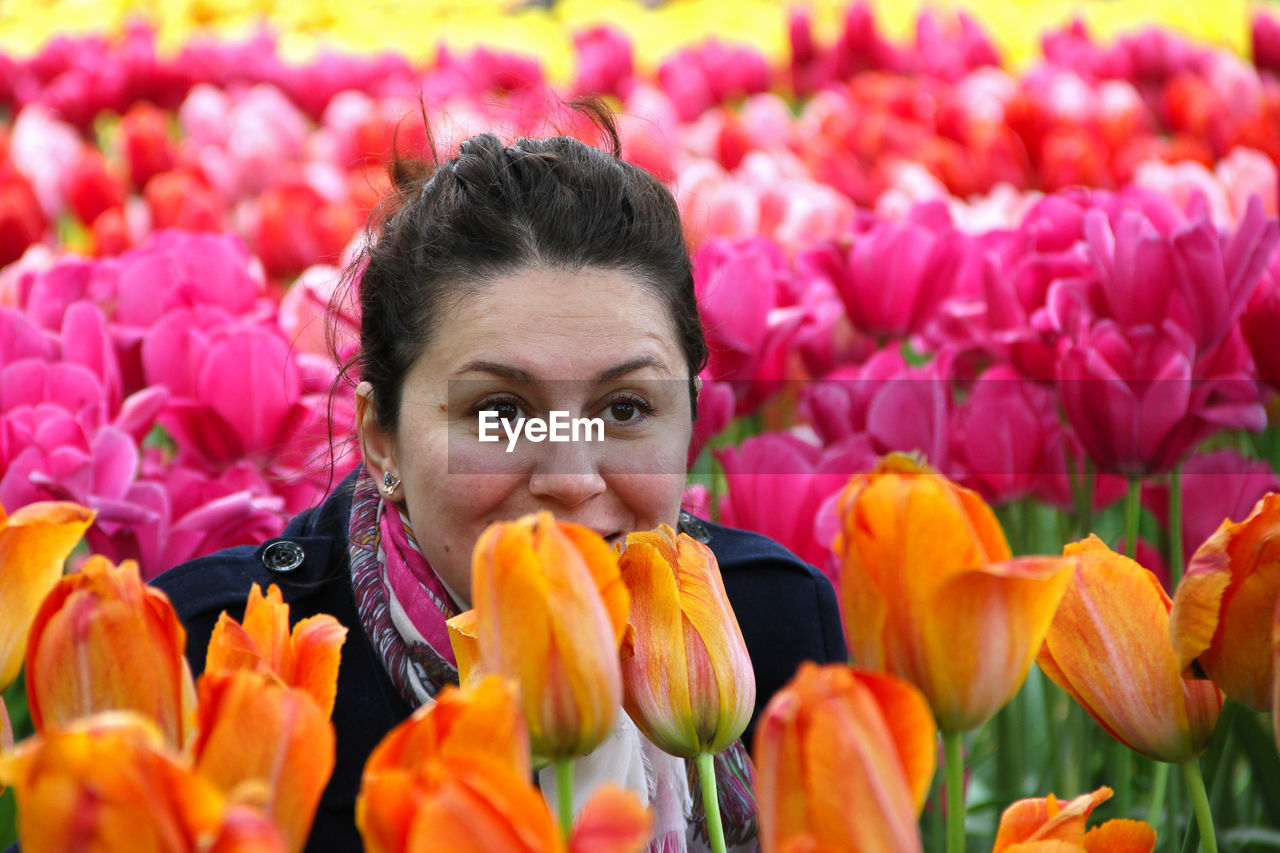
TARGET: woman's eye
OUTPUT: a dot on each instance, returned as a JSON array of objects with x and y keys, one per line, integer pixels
[
  {"x": 505, "y": 410},
  {"x": 628, "y": 410}
]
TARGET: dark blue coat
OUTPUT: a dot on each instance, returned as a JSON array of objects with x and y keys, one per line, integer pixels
[{"x": 786, "y": 608}]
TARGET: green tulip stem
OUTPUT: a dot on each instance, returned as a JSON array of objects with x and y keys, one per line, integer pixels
[
  {"x": 1200, "y": 799},
  {"x": 1175, "y": 527},
  {"x": 564, "y": 795},
  {"x": 1132, "y": 511},
  {"x": 1159, "y": 789},
  {"x": 706, "y": 763},
  {"x": 953, "y": 744}
]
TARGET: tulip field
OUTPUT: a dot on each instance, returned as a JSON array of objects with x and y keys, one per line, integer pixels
[{"x": 992, "y": 295}]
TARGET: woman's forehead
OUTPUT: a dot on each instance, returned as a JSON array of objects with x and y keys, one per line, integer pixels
[{"x": 574, "y": 324}]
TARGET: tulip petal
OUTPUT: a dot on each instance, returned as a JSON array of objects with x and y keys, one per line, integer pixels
[
  {"x": 603, "y": 563},
  {"x": 34, "y": 543},
  {"x": 466, "y": 649},
  {"x": 1194, "y": 618},
  {"x": 715, "y": 651},
  {"x": 657, "y": 686},
  {"x": 828, "y": 769},
  {"x": 1108, "y": 647},
  {"x": 1229, "y": 598},
  {"x": 317, "y": 653},
  {"x": 780, "y": 784},
  {"x": 255, "y": 733},
  {"x": 102, "y": 640},
  {"x": 1046, "y": 819},
  {"x": 106, "y": 778},
  {"x": 985, "y": 628},
  {"x": 912, "y": 727},
  {"x": 612, "y": 821},
  {"x": 1121, "y": 835}
]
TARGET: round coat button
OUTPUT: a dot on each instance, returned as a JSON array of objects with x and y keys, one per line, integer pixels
[{"x": 282, "y": 556}]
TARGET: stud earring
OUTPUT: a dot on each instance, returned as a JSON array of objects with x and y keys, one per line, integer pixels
[{"x": 389, "y": 484}]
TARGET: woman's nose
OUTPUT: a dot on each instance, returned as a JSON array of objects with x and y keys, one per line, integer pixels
[{"x": 566, "y": 474}]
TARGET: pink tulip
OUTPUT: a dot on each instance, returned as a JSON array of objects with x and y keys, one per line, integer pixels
[
  {"x": 741, "y": 294},
  {"x": 1193, "y": 277},
  {"x": 715, "y": 411},
  {"x": 220, "y": 411},
  {"x": 1006, "y": 436},
  {"x": 304, "y": 307},
  {"x": 1265, "y": 34},
  {"x": 44, "y": 150},
  {"x": 1215, "y": 486},
  {"x": 837, "y": 405},
  {"x": 1245, "y": 173},
  {"x": 699, "y": 78},
  {"x": 1139, "y": 402},
  {"x": 1259, "y": 321},
  {"x": 777, "y": 482},
  {"x": 950, "y": 55},
  {"x": 894, "y": 276},
  {"x": 605, "y": 64}
]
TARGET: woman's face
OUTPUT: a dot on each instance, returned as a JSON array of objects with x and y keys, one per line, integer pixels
[{"x": 596, "y": 343}]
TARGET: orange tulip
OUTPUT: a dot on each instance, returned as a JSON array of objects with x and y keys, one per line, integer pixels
[
  {"x": 108, "y": 783},
  {"x": 103, "y": 640},
  {"x": 455, "y": 777},
  {"x": 1109, "y": 649},
  {"x": 1226, "y": 603},
  {"x": 245, "y": 830},
  {"x": 688, "y": 684},
  {"x": 34, "y": 543},
  {"x": 844, "y": 758},
  {"x": 261, "y": 741},
  {"x": 1043, "y": 825},
  {"x": 550, "y": 612},
  {"x": 931, "y": 595},
  {"x": 307, "y": 659},
  {"x": 483, "y": 719}
]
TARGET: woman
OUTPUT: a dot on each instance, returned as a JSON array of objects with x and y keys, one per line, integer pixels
[{"x": 509, "y": 283}]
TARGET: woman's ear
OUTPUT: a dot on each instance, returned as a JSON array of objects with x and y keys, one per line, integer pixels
[{"x": 376, "y": 446}]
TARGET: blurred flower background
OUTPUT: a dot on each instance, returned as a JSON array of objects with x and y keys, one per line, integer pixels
[{"x": 1033, "y": 244}]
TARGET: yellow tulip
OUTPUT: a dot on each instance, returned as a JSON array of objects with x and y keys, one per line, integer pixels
[
  {"x": 262, "y": 742},
  {"x": 34, "y": 543},
  {"x": 1224, "y": 607},
  {"x": 688, "y": 683},
  {"x": 109, "y": 783},
  {"x": 1109, "y": 649},
  {"x": 456, "y": 776},
  {"x": 550, "y": 612},
  {"x": 844, "y": 758},
  {"x": 1044, "y": 825},
  {"x": 466, "y": 651},
  {"x": 103, "y": 641},
  {"x": 307, "y": 659},
  {"x": 931, "y": 595}
]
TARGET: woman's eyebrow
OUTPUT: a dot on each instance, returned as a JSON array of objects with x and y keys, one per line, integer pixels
[
  {"x": 524, "y": 377},
  {"x": 629, "y": 366},
  {"x": 506, "y": 371}
]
